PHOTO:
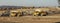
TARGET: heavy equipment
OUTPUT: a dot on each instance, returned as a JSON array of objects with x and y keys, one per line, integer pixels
[
  {"x": 4, "y": 13},
  {"x": 14, "y": 13},
  {"x": 39, "y": 12},
  {"x": 32, "y": 12}
]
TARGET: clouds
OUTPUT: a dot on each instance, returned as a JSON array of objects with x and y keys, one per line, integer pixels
[{"x": 29, "y": 2}]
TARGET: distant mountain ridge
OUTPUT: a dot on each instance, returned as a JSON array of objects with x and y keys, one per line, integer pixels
[{"x": 11, "y": 6}]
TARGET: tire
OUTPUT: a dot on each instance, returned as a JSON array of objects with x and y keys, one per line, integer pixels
[{"x": 45, "y": 14}]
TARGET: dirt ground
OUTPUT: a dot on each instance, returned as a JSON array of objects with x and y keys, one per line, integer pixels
[{"x": 31, "y": 19}]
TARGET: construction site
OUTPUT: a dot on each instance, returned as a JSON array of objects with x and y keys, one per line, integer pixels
[
  {"x": 29, "y": 11},
  {"x": 30, "y": 15}
]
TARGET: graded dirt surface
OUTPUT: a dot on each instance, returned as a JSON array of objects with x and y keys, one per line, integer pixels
[{"x": 31, "y": 19}]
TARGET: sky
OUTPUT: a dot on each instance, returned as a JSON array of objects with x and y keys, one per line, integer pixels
[{"x": 29, "y": 2}]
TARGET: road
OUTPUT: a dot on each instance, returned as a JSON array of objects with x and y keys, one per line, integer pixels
[{"x": 31, "y": 19}]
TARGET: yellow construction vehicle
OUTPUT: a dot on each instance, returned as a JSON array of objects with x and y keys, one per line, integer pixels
[
  {"x": 39, "y": 12},
  {"x": 14, "y": 13},
  {"x": 35, "y": 13},
  {"x": 42, "y": 13}
]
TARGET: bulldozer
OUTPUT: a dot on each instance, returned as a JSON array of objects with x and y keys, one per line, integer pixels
[
  {"x": 15, "y": 13},
  {"x": 40, "y": 12}
]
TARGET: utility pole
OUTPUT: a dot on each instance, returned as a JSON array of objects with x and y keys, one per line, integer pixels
[{"x": 59, "y": 3}]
